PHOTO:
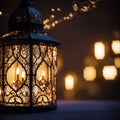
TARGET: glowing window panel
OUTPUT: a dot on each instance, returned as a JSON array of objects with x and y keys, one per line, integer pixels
[
  {"x": 99, "y": 50},
  {"x": 116, "y": 46},
  {"x": 109, "y": 72},
  {"x": 89, "y": 73}
]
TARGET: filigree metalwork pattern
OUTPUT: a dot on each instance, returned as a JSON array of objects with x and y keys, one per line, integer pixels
[
  {"x": 1, "y": 99},
  {"x": 20, "y": 54},
  {"x": 44, "y": 90},
  {"x": 55, "y": 71}
]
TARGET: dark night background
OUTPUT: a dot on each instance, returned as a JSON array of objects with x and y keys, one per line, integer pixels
[{"x": 77, "y": 37}]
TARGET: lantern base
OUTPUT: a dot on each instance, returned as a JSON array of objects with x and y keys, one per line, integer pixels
[{"x": 8, "y": 109}]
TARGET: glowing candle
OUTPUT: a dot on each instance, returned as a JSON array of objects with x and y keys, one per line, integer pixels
[
  {"x": 43, "y": 74},
  {"x": 40, "y": 78},
  {"x": 23, "y": 76},
  {"x": 17, "y": 72},
  {"x": 14, "y": 85}
]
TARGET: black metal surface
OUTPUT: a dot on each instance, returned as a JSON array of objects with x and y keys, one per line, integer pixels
[
  {"x": 26, "y": 18},
  {"x": 28, "y": 37},
  {"x": 27, "y": 23}
]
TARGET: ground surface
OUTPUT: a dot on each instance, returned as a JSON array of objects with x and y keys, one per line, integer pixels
[{"x": 73, "y": 110}]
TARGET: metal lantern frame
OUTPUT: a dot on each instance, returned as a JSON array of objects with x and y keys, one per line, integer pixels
[{"x": 26, "y": 46}]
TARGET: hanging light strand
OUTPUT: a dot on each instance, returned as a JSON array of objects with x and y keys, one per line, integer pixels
[{"x": 78, "y": 6}]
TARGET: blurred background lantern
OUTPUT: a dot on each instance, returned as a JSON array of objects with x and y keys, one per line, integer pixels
[
  {"x": 99, "y": 50},
  {"x": 69, "y": 82},
  {"x": 28, "y": 62},
  {"x": 70, "y": 85},
  {"x": 89, "y": 73},
  {"x": 116, "y": 46}
]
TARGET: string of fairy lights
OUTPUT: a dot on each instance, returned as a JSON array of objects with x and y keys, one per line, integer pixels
[{"x": 78, "y": 6}]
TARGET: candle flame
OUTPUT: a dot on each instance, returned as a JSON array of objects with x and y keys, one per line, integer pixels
[
  {"x": 43, "y": 73},
  {"x": 23, "y": 74},
  {"x": 17, "y": 71},
  {"x": 40, "y": 78}
]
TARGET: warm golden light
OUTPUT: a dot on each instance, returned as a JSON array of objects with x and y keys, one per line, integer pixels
[
  {"x": 1, "y": 13},
  {"x": 52, "y": 9},
  {"x": 43, "y": 73},
  {"x": 69, "y": 82},
  {"x": 16, "y": 74},
  {"x": 13, "y": 81},
  {"x": 75, "y": 7},
  {"x": 117, "y": 62},
  {"x": 0, "y": 91},
  {"x": 99, "y": 50},
  {"x": 23, "y": 74},
  {"x": 116, "y": 46},
  {"x": 28, "y": 70},
  {"x": 89, "y": 73},
  {"x": 53, "y": 24},
  {"x": 17, "y": 71},
  {"x": 109, "y": 72},
  {"x": 58, "y": 9},
  {"x": 52, "y": 16},
  {"x": 71, "y": 15}
]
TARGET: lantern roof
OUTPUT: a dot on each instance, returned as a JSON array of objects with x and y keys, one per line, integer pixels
[
  {"x": 27, "y": 21},
  {"x": 26, "y": 17}
]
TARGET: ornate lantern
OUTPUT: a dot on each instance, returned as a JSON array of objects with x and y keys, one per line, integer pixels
[{"x": 28, "y": 62}]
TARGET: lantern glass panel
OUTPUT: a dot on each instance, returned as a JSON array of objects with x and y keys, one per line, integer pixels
[
  {"x": 45, "y": 69},
  {"x": 16, "y": 75}
]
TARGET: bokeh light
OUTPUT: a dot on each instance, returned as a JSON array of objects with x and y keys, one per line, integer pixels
[
  {"x": 99, "y": 50},
  {"x": 109, "y": 72},
  {"x": 89, "y": 73},
  {"x": 117, "y": 62},
  {"x": 1, "y": 13},
  {"x": 116, "y": 46},
  {"x": 69, "y": 82}
]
